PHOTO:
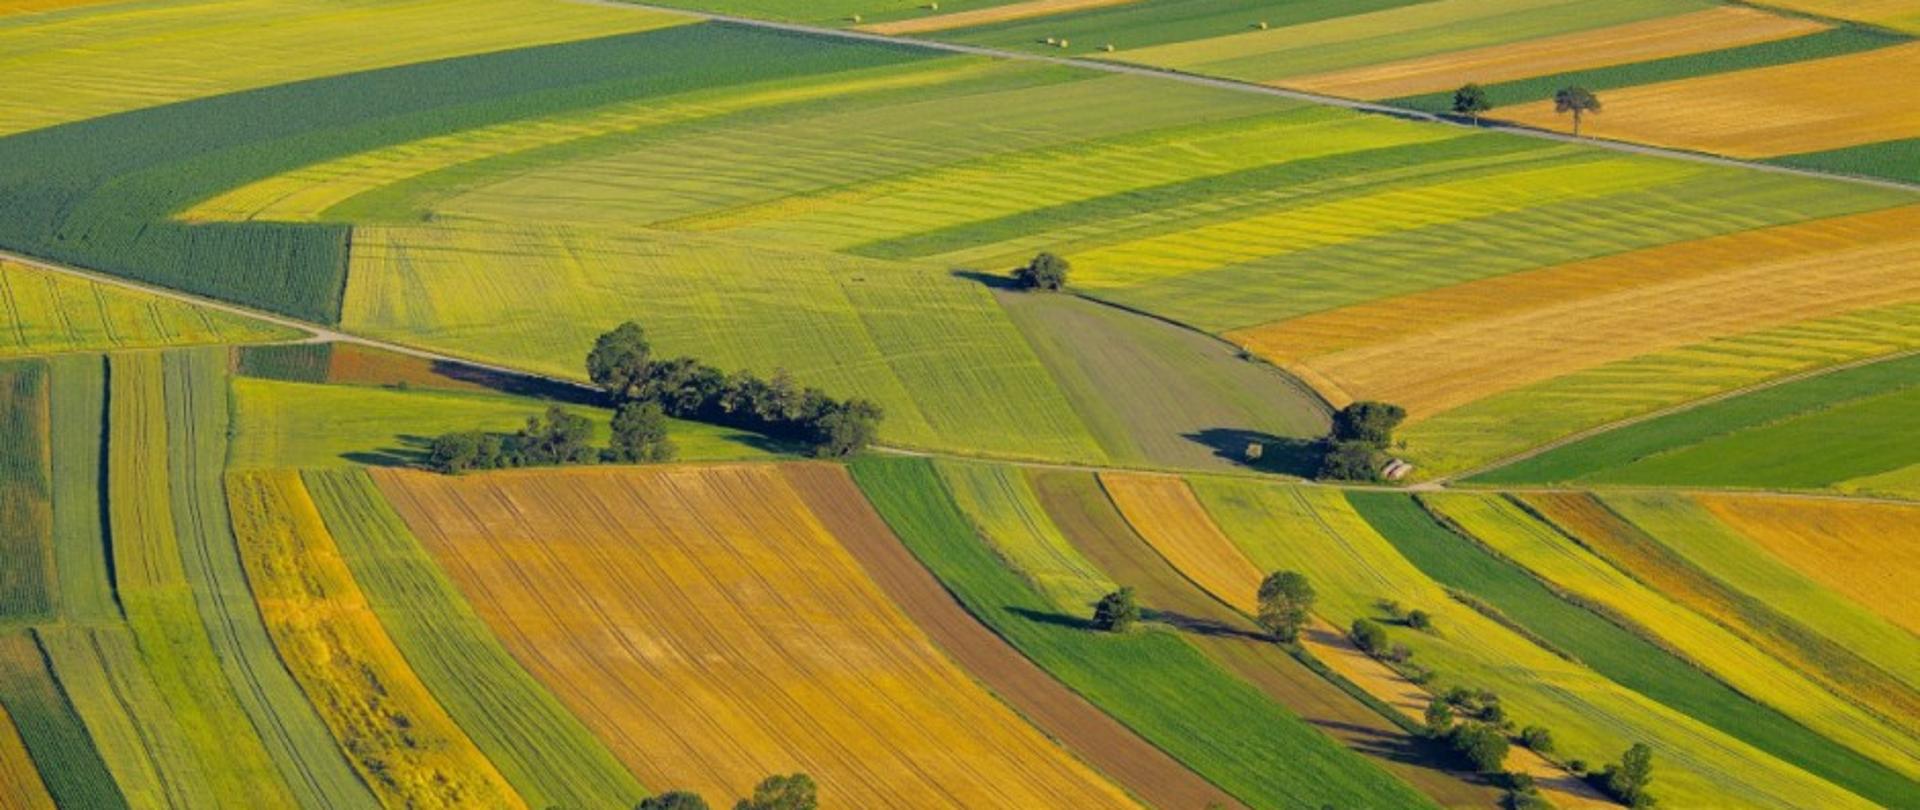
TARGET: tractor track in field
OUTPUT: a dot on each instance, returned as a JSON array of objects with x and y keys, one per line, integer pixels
[{"x": 1219, "y": 83}]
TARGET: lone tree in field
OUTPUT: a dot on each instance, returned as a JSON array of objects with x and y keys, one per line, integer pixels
[
  {"x": 620, "y": 360},
  {"x": 1628, "y": 780},
  {"x": 1368, "y": 422},
  {"x": 1117, "y": 611},
  {"x": 673, "y": 800},
  {"x": 1285, "y": 599},
  {"x": 1045, "y": 272},
  {"x": 795, "y": 792},
  {"x": 1576, "y": 100},
  {"x": 1471, "y": 100}
]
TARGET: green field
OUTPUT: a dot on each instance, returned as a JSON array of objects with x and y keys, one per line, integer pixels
[
  {"x": 544, "y": 752},
  {"x": 1897, "y": 159},
  {"x": 148, "y": 754},
  {"x": 42, "y": 312},
  {"x": 62, "y": 750},
  {"x": 1771, "y": 424},
  {"x": 1222, "y": 728},
  {"x": 27, "y": 584},
  {"x": 79, "y": 407}
]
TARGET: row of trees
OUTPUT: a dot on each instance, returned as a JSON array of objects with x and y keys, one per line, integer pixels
[
  {"x": 557, "y": 438},
  {"x": 1471, "y": 100},
  {"x": 779, "y": 792},
  {"x": 622, "y": 364}
]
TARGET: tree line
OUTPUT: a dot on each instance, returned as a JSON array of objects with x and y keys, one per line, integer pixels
[{"x": 778, "y": 792}]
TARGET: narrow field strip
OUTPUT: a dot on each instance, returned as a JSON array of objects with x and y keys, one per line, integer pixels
[
  {"x": 78, "y": 405},
  {"x": 1766, "y": 112},
  {"x": 541, "y": 749},
  {"x": 1899, "y": 14},
  {"x": 736, "y": 639},
  {"x": 1841, "y": 545},
  {"x": 143, "y": 746},
  {"x": 1083, "y": 511},
  {"x": 20, "y": 784},
  {"x": 53, "y": 734},
  {"x": 1113, "y": 749},
  {"x": 28, "y": 582},
  {"x": 1007, "y": 513},
  {"x": 1710, "y": 29},
  {"x": 985, "y": 16},
  {"x": 43, "y": 312},
  {"x": 1167, "y": 691},
  {"x": 392, "y": 729}
]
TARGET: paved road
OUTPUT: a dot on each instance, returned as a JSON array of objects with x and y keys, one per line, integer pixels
[{"x": 1263, "y": 89}]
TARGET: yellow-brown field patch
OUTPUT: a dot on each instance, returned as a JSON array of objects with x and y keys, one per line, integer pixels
[
  {"x": 1708, "y": 30},
  {"x": 983, "y": 16},
  {"x": 707, "y": 626},
  {"x": 1787, "y": 109},
  {"x": 1864, "y": 551},
  {"x": 1899, "y": 14},
  {"x": 1442, "y": 348}
]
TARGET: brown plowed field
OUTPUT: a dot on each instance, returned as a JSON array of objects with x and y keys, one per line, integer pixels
[{"x": 1086, "y": 731}]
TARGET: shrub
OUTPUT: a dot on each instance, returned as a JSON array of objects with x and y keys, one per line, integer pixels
[
  {"x": 1537, "y": 738},
  {"x": 796, "y": 792},
  {"x": 1369, "y": 636},
  {"x": 673, "y": 800}
]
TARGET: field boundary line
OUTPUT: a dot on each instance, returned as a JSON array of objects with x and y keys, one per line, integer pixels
[{"x": 1220, "y": 83}]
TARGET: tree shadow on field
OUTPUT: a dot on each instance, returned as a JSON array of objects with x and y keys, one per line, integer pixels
[
  {"x": 412, "y": 454},
  {"x": 996, "y": 281},
  {"x": 1286, "y": 455},
  {"x": 1055, "y": 619},
  {"x": 1200, "y": 626},
  {"x": 522, "y": 385}
]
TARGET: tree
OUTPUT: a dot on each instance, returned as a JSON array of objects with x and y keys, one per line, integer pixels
[
  {"x": 560, "y": 439},
  {"x": 1116, "y": 612},
  {"x": 453, "y": 452},
  {"x": 1471, "y": 100},
  {"x": 846, "y": 428},
  {"x": 1537, "y": 738},
  {"x": 620, "y": 359},
  {"x": 1576, "y": 100},
  {"x": 1045, "y": 272},
  {"x": 1349, "y": 461},
  {"x": 1285, "y": 601},
  {"x": 1481, "y": 745},
  {"x": 1439, "y": 718},
  {"x": 1369, "y": 636},
  {"x": 640, "y": 435},
  {"x": 1628, "y": 780},
  {"x": 795, "y": 792},
  {"x": 1420, "y": 620},
  {"x": 1368, "y": 422},
  {"x": 673, "y": 800}
]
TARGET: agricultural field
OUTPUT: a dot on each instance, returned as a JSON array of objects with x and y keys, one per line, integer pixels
[
  {"x": 1898, "y": 14},
  {"x": 1836, "y": 543},
  {"x": 49, "y": 313}
]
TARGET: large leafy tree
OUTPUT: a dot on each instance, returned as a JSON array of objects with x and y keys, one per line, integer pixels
[{"x": 1577, "y": 100}]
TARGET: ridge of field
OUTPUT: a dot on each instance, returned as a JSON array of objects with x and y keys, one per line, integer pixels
[
  {"x": 77, "y": 400},
  {"x": 20, "y": 784},
  {"x": 1714, "y": 28},
  {"x": 1221, "y": 727},
  {"x": 28, "y": 583},
  {"x": 1835, "y": 41},
  {"x": 1898, "y": 159},
  {"x": 143, "y": 747},
  {"x": 108, "y": 58},
  {"x": 47, "y": 312},
  {"x": 1637, "y": 554},
  {"x": 1393, "y": 32},
  {"x": 544, "y": 752},
  {"x": 1318, "y": 532},
  {"x": 285, "y": 424},
  {"x": 1149, "y": 773},
  {"x": 1686, "y": 529},
  {"x": 1192, "y": 401},
  {"x": 162, "y": 613},
  {"x": 1810, "y": 106},
  {"x": 1087, "y": 515},
  {"x": 394, "y": 732},
  {"x": 1760, "y": 698},
  {"x": 310, "y": 764},
  {"x": 1607, "y": 456},
  {"x": 1004, "y": 12},
  {"x": 1898, "y": 14},
  {"x": 63, "y": 753},
  {"x": 723, "y": 566},
  {"x": 1840, "y": 544},
  {"x": 101, "y": 193}
]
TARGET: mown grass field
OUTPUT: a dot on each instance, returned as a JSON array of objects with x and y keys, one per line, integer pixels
[
  {"x": 45, "y": 313},
  {"x": 1839, "y": 544},
  {"x": 1353, "y": 566},
  {"x": 1691, "y": 662},
  {"x": 736, "y": 638},
  {"x": 1217, "y": 725}
]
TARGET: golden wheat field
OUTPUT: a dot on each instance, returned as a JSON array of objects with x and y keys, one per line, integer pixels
[
  {"x": 392, "y": 729},
  {"x": 1786, "y": 109},
  {"x": 985, "y": 16},
  {"x": 1899, "y": 14},
  {"x": 1705, "y": 30},
  {"x": 711, "y": 631},
  {"x": 1861, "y": 550}
]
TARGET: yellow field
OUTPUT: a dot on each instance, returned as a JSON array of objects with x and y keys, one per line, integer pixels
[
  {"x": 711, "y": 631},
  {"x": 42, "y": 312},
  {"x": 399, "y": 738},
  {"x": 9, "y": 7},
  {"x": 1860, "y": 550},
  {"x": 983, "y": 16},
  {"x": 1441, "y": 349},
  {"x": 1781, "y": 110},
  {"x": 1711, "y": 29},
  {"x": 126, "y": 56},
  {"x": 20, "y": 785},
  {"x": 1900, "y": 14},
  {"x": 1572, "y": 568}
]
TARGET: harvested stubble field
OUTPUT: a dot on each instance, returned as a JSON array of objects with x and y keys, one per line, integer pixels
[
  {"x": 735, "y": 639},
  {"x": 1710, "y": 29},
  {"x": 1221, "y": 727},
  {"x": 393, "y": 730},
  {"x": 45, "y": 313},
  {"x": 1318, "y": 532},
  {"x": 1841, "y": 545}
]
